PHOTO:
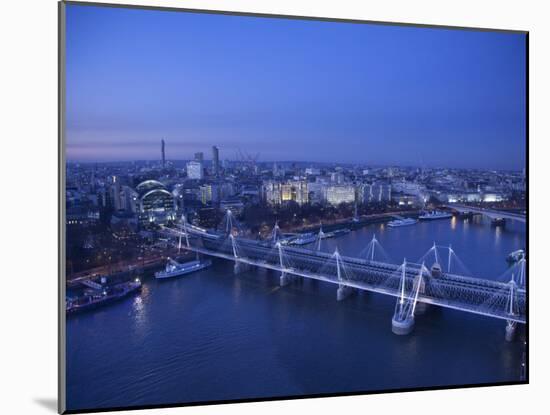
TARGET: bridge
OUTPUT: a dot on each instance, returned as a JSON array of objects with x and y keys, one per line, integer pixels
[
  {"x": 494, "y": 214},
  {"x": 411, "y": 284}
]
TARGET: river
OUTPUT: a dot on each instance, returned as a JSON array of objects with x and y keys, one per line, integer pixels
[{"x": 214, "y": 335}]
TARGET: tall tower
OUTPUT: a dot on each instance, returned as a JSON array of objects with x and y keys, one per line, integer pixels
[
  {"x": 215, "y": 161},
  {"x": 162, "y": 152}
]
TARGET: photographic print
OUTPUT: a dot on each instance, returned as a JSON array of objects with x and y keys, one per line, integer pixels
[{"x": 272, "y": 207}]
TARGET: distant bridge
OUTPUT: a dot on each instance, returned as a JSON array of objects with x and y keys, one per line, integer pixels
[
  {"x": 410, "y": 283},
  {"x": 491, "y": 213}
]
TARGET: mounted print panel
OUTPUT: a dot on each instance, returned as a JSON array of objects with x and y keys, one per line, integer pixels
[{"x": 265, "y": 207}]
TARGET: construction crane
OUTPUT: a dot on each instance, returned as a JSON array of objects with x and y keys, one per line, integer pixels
[{"x": 247, "y": 158}]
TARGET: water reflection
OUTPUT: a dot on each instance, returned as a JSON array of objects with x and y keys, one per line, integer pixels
[
  {"x": 139, "y": 310},
  {"x": 498, "y": 234},
  {"x": 453, "y": 223}
]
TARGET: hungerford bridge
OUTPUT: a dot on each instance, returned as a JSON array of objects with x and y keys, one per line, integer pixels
[
  {"x": 494, "y": 214},
  {"x": 412, "y": 284}
]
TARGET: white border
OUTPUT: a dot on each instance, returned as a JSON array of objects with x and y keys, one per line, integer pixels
[{"x": 29, "y": 205}]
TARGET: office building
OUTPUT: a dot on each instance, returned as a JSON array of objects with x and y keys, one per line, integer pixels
[
  {"x": 195, "y": 170},
  {"x": 215, "y": 161}
]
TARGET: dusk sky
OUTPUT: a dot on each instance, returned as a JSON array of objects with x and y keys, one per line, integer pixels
[{"x": 291, "y": 90}]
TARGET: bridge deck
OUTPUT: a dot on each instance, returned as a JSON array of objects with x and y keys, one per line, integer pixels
[
  {"x": 492, "y": 213},
  {"x": 473, "y": 295}
]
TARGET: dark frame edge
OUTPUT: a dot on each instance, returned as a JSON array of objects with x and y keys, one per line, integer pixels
[
  {"x": 61, "y": 266},
  {"x": 527, "y": 325},
  {"x": 294, "y": 397},
  {"x": 290, "y": 17}
]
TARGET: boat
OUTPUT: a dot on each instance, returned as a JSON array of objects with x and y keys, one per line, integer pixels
[
  {"x": 435, "y": 214},
  {"x": 327, "y": 235},
  {"x": 304, "y": 239},
  {"x": 97, "y": 297},
  {"x": 515, "y": 256},
  {"x": 286, "y": 239},
  {"x": 340, "y": 232},
  {"x": 175, "y": 269},
  {"x": 402, "y": 222}
]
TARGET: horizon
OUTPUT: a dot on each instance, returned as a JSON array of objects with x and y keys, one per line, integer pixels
[
  {"x": 311, "y": 164},
  {"x": 433, "y": 96}
]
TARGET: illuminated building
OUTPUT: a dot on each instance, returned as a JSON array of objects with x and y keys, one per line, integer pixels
[
  {"x": 210, "y": 193},
  {"x": 277, "y": 193},
  {"x": 156, "y": 204},
  {"x": 374, "y": 193},
  {"x": 340, "y": 194}
]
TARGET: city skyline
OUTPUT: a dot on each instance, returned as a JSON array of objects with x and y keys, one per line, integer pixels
[
  {"x": 241, "y": 159},
  {"x": 433, "y": 97}
]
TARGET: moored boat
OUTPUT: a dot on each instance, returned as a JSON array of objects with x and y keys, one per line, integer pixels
[
  {"x": 304, "y": 239},
  {"x": 175, "y": 269},
  {"x": 340, "y": 232},
  {"x": 327, "y": 235},
  {"x": 515, "y": 256},
  {"x": 402, "y": 222},
  {"x": 435, "y": 214},
  {"x": 97, "y": 297}
]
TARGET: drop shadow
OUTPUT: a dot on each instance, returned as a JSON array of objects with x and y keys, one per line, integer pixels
[{"x": 48, "y": 403}]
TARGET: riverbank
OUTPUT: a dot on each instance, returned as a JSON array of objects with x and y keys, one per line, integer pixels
[{"x": 351, "y": 223}]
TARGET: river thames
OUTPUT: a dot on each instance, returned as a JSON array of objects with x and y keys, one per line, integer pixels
[{"x": 214, "y": 335}]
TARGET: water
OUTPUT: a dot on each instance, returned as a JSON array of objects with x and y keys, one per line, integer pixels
[{"x": 214, "y": 335}]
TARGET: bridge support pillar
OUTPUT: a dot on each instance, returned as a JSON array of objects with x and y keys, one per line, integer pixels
[
  {"x": 421, "y": 308},
  {"x": 402, "y": 322},
  {"x": 343, "y": 292},
  {"x": 239, "y": 267},
  {"x": 510, "y": 331},
  {"x": 498, "y": 222},
  {"x": 284, "y": 279},
  {"x": 402, "y": 327}
]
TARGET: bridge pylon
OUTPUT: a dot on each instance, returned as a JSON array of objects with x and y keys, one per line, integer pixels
[
  {"x": 510, "y": 330},
  {"x": 373, "y": 242},
  {"x": 521, "y": 279},
  {"x": 234, "y": 246},
  {"x": 284, "y": 279},
  {"x": 184, "y": 221},
  {"x": 276, "y": 232},
  {"x": 449, "y": 258},
  {"x": 239, "y": 266},
  {"x": 230, "y": 225},
  {"x": 403, "y": 318},
  {"x": 343, "y": 291},
  {"x": 320, "y": 237}
]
